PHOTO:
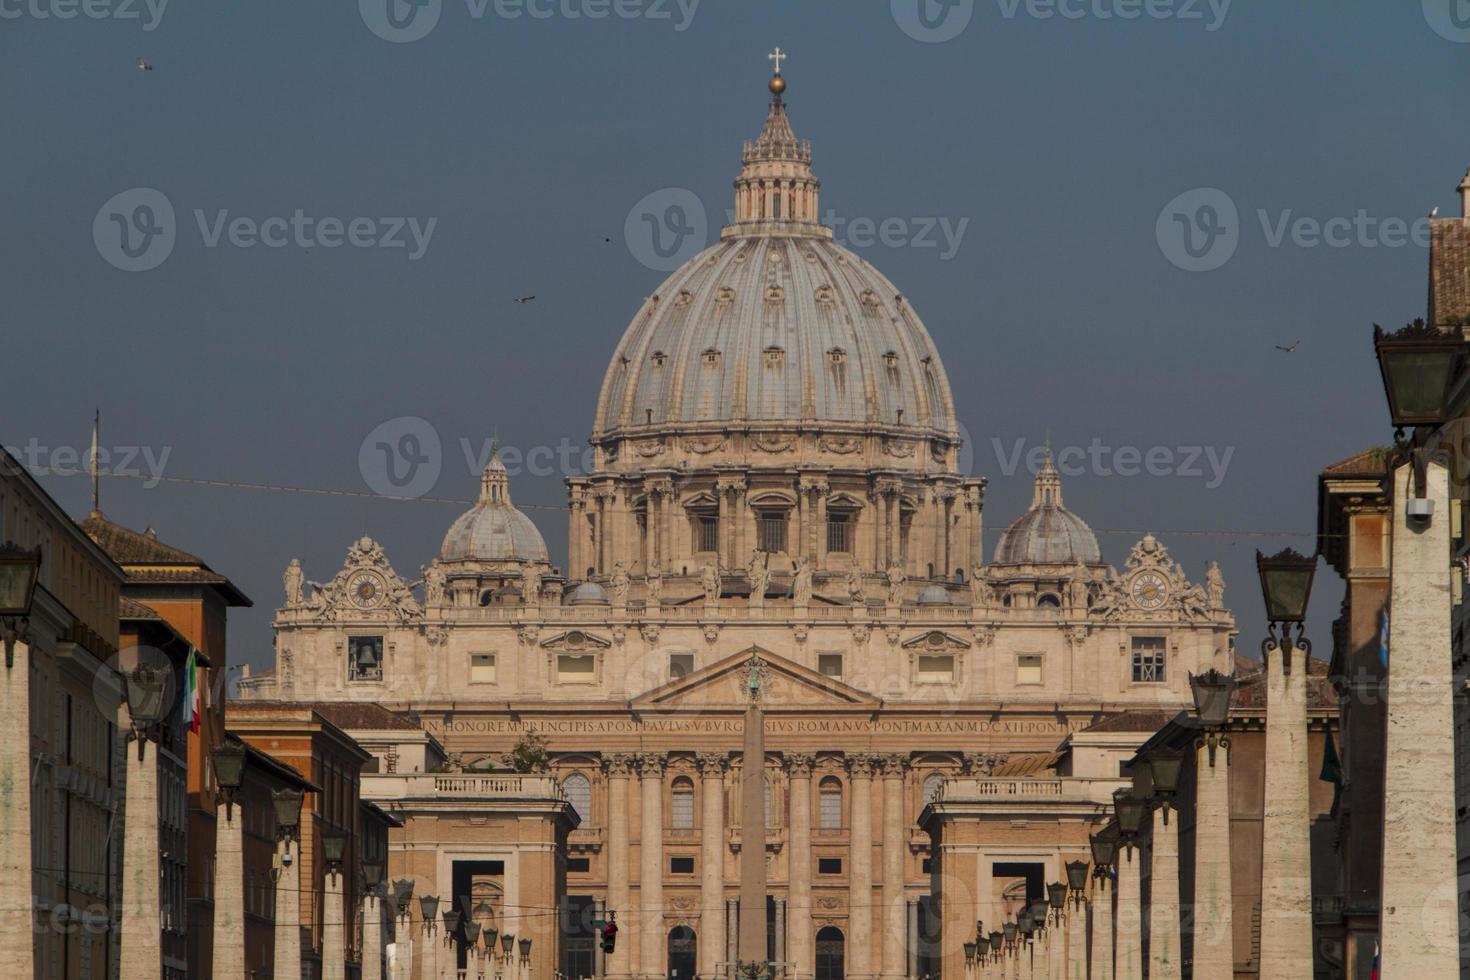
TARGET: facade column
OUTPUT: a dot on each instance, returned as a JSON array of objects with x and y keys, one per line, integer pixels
[
  {"x": 372, "y": 937},
  {"x": 802, "y": 951},
  {"x": 819, "y": 545},
  {"x": 229, "y": 893},
  {"x": 651, "y": 865},
  {"x": 618, "y": 769},
  {"x": 1214, "y": 895},
  {"x": 334, "y": 913},
  {"x": 1286, "y": 878},
  {"x": 712, "y": 767},
  {"x": 913, "y": 938},
  {"x": 732, "y": 935},
  {"x": 1101, "y": 957},
  {"x": 599, "y": 525},
  {"x": 725, "y": 539},
  {"x": 1419, "y": 921},
  {"x": 287, "y": 874},
  {"x": 1128, "y": 928},
  {"x": 860, "y": 872},
  {"x": 574, "y": 526},
  {"x": 1163, "y": 904},
  {"x": 140, "y": 934},
  {"x": 895, "y": 842},
  {"x": 780, "y": 935}
]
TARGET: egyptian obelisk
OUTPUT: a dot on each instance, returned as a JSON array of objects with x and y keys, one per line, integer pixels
[{"x": 752, "y": 945}]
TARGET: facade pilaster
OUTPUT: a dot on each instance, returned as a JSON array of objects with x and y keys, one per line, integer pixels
[
  {"x": 619, "y": 769},
  {"x": 895, "y": 842},
  {"x": 651, "y": 868},
  {"x": 802, "y": 948},
  {"x": 860, "y": 872},
  {"x": 712, "y": 766}
]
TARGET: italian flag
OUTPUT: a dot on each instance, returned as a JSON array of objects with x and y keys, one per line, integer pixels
[{"x": 189, "y": 703}]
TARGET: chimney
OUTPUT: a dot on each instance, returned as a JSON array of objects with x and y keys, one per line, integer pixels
[{"x": 1464, "y": 190}]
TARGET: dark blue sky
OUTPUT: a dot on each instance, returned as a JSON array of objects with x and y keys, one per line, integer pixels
[{"x": 529, "y": 140}]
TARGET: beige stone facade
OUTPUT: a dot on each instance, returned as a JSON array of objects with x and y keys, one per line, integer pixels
[{"x": 800, "y": 499}]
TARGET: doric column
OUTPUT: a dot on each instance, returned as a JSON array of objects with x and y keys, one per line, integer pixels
[
  {"x": 618, "y": 769},
  {"x": 229, "y": 894},
  {"x": 860, "y": 872},
  {"x": 1420, "y": 904},
  {"x": 1128, "y": 928},
  {"x": 651, "y": 867},
  {"x": 1164, "y": 961},
  {"x": 895, "y": 841},
  {"x": 372, "y": 937},
  {"x": 140, "y": 936},
  {"x": 1214, "y": 896},
  {"x": 801, "y": 946},
  {"x": 287, "y": 961},
  {"x": 712, "y": 767},
  {"x": 1102, "y": 929},
  {"x": 1286, "y": 882}
]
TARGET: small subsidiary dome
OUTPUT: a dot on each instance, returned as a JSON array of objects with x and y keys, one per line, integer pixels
[
  {"x": 1048, "y": 533},
  {"x": 494, "y": 530}
]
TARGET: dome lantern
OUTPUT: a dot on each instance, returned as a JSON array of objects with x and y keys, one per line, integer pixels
[{"x": 776, "y": 191}]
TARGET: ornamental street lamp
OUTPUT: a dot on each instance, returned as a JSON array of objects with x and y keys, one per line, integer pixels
[
  {"x": 1129, "y": 811},
  {"x": 144, "y": 686},
  {"x": 372, "y": 876},
  {"x": 1286, "y": 585},
  {"x": 525, "y": 944},
  {"x": 19, "y": 569},
  {"x": 490, "y": 935},
  {"x": 287, "y": 803},
  {"x": 1076, "y": 878},
  {"x": 334, "y": 845},
  {"x": 507, "y": 943},
  {"x": 428, "y": 911},
  {"x": 1213, "y": 692},
  {"x": 229, "y": 770},
  {"x": 969, "y": 953},
  {"x": 1418, "y": 364}
]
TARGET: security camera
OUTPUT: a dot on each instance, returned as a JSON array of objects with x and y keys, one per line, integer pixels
[
  {"x": 286, "y": 859},
  {"x": 1419, "y": 509}
]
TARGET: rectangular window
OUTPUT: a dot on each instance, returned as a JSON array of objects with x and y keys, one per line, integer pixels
[
  {"x": 1028, "y": 668},
  {"x": 579, "y": 865},
  {"x": 830, "y": 665},
  {"x": 1148, "y": 660},
  {"x": 681, "y": 665},
  {"x": 706, "y": 533},
  {"x": 574, "y": 669},
  {"x": 365, "y": 658},
  {"x": 681, "y": 865},
  {"x": 829, "y": 866},
  {"x": 772, "y": 532},
  {"x": 839, "y": 533},
  {"x": 934, "y": 668},
  {"x": 482, "y": 668}
]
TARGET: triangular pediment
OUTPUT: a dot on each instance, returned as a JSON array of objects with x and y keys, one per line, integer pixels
[{"x": 724, "y": 685}]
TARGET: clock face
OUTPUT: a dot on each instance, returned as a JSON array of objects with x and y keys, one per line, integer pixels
[
  {"x": 365, "y": 589},
  {"x": 1150, "y": 590}
]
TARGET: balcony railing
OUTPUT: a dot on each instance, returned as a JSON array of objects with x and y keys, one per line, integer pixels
[
  {"x": 985, "y": 789},
  {"x": 459, "y": 785}
]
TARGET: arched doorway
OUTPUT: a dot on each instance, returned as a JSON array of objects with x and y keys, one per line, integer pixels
[
  {"x": 683, "y": 947},
  {"x": 830, "y": 948}
]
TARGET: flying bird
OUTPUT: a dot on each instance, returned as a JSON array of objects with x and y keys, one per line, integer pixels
[
  {"x": 606, "y": 239},
  {"x": 1291, "y": 349},
  {"x": 524, "y": 299},
  {"x": 144, "y": 65}
]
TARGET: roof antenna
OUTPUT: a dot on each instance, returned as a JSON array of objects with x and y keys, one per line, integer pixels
[{"x": 92, "y": 462}]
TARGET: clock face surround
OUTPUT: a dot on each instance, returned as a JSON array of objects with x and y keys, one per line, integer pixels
[
  {"x": 366, "y": 590},
  {"x": 1149, "y": 590}
]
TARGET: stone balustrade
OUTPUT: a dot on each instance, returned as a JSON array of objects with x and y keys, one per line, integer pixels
[{"x": 508, "y": 786}]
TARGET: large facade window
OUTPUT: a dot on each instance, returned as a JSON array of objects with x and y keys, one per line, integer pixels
[
  {"x": 683, "y": 803},
  {"x": 706, "y": 528},
  {"x": 771, "y": 530},
  {"x": 574, "y": 669},
  {"x": 482, "y": 668},
  {"x": 829, "y": 804},
  {"x": 830, "y": 665},
  {"x": 1028, "y": 668},
  {"x": 839, "y": 533},
  {"x": 681, "y": 665},
  {"x": 936, "y": 668},
  {"x": 1148, "y": 659},
  {"x": 578, "y": 791}
]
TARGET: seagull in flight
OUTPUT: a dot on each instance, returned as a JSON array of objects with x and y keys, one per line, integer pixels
[
  {"x": 1291, "y": 349},
  {"x": 524, "y": 299},
  {"x": 144, "y": 65}
]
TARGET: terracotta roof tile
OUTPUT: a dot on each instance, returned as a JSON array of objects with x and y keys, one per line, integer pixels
[
  {"x": 1369, "y": 462},
  {"x": 1132, "y": 721},
  {"x": 133, "y": 609}
]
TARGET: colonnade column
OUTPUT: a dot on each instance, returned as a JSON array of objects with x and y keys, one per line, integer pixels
[
  {"x": 801, "y": 948},
  {"x": 1214, "y": 896},
  {"x": 287, "y": 962},
  {"x": 229, "y": 893},
  {"x": 712, "y": 767},
  {"x": 651, "y": 867},
  {"x": 860, "y": 874},
  {"x": 1286, "y": 884},
  {"x": 1101, "y": 956},
  {"x": 334, "y": 913},
  {"x": 1129, "y": 926},
  {"x": 372, "y": 936},
  {"x": 141, "y": 953},
  {"x": 1163, "y": 905},
  {"x": 619, "y": 768},
  {"x": 895, "y": 840}
]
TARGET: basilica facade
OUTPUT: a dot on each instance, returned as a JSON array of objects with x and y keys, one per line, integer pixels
[{"x": 776, "y": 476}]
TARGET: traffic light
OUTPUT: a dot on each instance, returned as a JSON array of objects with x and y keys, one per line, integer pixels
[{"x": 609, "y": 937}]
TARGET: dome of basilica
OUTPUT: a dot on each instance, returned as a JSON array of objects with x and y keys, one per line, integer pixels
[
  {"x": 493, "y": 530},
  {"x": 1048, "y": 533},
  {"x": 775, "y": 325}
]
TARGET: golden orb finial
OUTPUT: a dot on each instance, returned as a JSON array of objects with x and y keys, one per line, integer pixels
[{"x": 777, "y": 85}]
